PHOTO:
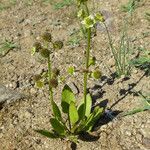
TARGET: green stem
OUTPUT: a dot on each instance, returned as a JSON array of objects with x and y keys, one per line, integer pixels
[
  {"x": 49, "y": 78},
  {"x": 87, "y": 65},
  {"x": 118, "y": 66}
]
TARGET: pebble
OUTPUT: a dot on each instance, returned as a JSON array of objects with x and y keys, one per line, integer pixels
[{"x": 33, "y": 91}]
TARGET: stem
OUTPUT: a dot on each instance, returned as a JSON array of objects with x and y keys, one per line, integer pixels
[
  {"x": 87, "y": 65},
  {"x": 49, "y": 78},
  {"x": 118, "y": 65}
]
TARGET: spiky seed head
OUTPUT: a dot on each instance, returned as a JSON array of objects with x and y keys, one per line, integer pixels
[
  {"x": 53, "y": 83},
  {"x": 45, "y": 52},
  {"x": 36, "y": 77},
  {"x": 57, "y": 44},
  {"x": 47, "y": 37},
  {"x": 37, "y": 46},
  {"x": 96, "y": 74}
]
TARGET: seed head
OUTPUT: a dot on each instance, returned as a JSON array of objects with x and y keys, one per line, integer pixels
[
  {"x": 45, "y": 52},
  {"x": 53, "y": 83},
  {"x": 57, "y": 44},
  {"x": 37, "y": 46},
  {"x": 96, "y": 74},
  {"x": 47, "y": 37},
  {"x": 36, "y": 77}
]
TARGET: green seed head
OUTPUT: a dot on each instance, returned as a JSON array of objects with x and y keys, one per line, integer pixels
[
  {"x": 47, "y": 37},
  {"x": 37, "y": 46},
  {"x": 36, "y": 77},
  {"x": 45, "y": 52},
  {"x": 53, "y": 83},
  {"x": 57, "y": 44},
  {"x": 96, "y": 74}
]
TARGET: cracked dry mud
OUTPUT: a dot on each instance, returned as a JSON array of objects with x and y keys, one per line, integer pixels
[{"x": 23, "y": 23}]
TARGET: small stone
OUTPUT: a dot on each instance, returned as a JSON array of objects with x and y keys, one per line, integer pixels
[
  {"x": 128, "y": 133},
  {"x": 146, "y": 142},
  {"x": 33, "y": 91}
]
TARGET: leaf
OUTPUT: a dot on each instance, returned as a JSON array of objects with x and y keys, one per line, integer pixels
[
  {"x": 73, "y": 113},
  {"x": 57, "y": 126},
  {"x": 67, "y": 97},
  {"x": 88, "y": 105},
  {"x": 56, "y": 111},
  {"x": 93, "y": 117},
  {"x": 81, "y": 111},
  {"x": 47, "y": 133}
]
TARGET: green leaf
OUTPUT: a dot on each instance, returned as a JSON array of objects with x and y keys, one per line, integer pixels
[
  {"x": 56, "y": 111},
  {"x": 81, "y": 111},
  {"x": 57, "y": 126},
  {"x": 47, "y": 133},
  {"x": 73, "y": 113},
  {"x": 67, "y": 97},
  {"x": 88, "y": 105},
  {"x": 93, "y": 117}
]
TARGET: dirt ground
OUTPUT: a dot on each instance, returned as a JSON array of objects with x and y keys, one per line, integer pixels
[{"x": 22, "y": 23}]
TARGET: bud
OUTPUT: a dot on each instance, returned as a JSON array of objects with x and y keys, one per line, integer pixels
[
  {"x": 55, "y": 71},
  {"x": 47, "y": 37},
  {"x": 53, "y": 83},
  {"x": 45, "y": 52},
  {"x": 36, "y": 77},
  {"x": 37, "y": 46},
  {"x": 57, "y": 44},
  {"x": 71, "y": 70},
  {"x": 89, "y": 21},
  {"x": 96, "y": 74},
  {"x": 92, "y": 61},
  {"x": 99, "y": 17}
]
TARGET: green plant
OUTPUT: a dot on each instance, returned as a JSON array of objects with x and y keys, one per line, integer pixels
[
  {"x": 142, "y": 62},
  {"x": 4, "y": 6},
  {"x": 145, "y": 103},
  {"x": 121, "y": 54},
  {"x": 147, "y": 16},
  {"x": 6, "y": 47},
  {"x": 72, "y": 119},
  {"x": 130, "y": 7},
  {"x": 59, "y": 5}
]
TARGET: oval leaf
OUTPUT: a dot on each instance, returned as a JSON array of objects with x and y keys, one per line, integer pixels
[
  {"x": 57, "y": 126},
  {"x": 88, "y": 105},
  {"x": 73, "y": 113},
  {"x": 67, "y": 97},
  {"x": 81, "y": 111},
  {"x": 56, "y": 111}
]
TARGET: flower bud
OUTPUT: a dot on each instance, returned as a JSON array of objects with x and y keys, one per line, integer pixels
[
  {"x": 53, "y": 83},
  {"x": 37, "y": 46},
  {"x": 47, "y": 37},
  {"x": 96, "y": 74},
  {"x": 57, "y": 44},
  {"x": 45, "y": 52}
]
